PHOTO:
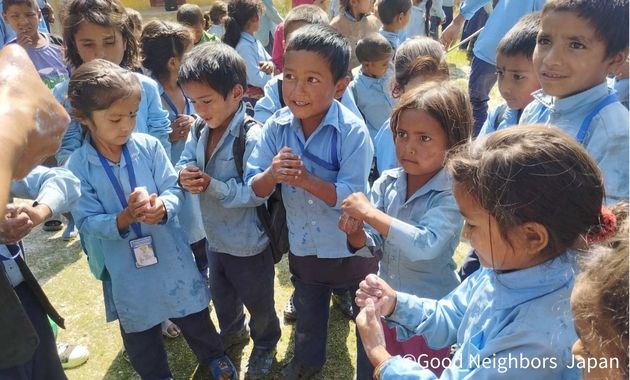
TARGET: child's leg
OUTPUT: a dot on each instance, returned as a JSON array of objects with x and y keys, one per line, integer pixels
[
  {"x": 482, "y": 78},
  {"x": 201, "y": 336},
  {"x": 146, "y": 353}
]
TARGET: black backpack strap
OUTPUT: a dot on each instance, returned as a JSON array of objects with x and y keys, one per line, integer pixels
[
  {"x": 280, "y": 93},
  {"x": 55, "y": 39},
  {"x": 238, "y": 148}
]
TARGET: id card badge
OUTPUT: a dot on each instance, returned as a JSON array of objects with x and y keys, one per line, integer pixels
[{"x": 143, "y": 251}]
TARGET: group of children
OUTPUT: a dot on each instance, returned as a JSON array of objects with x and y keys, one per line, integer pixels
[{"x": 379, "y": 176}]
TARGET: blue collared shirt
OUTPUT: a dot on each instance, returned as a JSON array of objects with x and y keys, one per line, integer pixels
[
  {"x": 228, "y": 206},
  {"x": 270, "y": 103},
  {"x": 56, "y": 188},
  {"x": 418, "y": 250},
  {"x": 178, "y": 146},
  {"x": 494, "y": 316},
  {"x": 253, "y": 52},
  {"x": 139, "y": 297},
  {"x": 151, "y": 118},
  {"x": 385, "y": 149},
  {"x": 622, "y": 87},
  {"x": 269, "y": 19},
  {"x": 217, "y": 30},
  {"x": 509, "y": 118},
  {"x": 311, "y": 222},
  {"x": 394, "y": 38},
  {"x": 607, "y": 137},
  {"x": 505, "y": 14},
  {"x": 373, "y": 98}
]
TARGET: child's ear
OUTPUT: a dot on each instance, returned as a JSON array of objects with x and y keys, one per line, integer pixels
[
  {"x": 341, "y": 85},
  {"x": 237, "y": 92},
  {"x": 535, "y": 236},
  {"x": 618, "y": 60},
  {"x": 171, "y": 63}
]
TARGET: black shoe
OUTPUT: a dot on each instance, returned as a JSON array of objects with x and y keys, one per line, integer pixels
[
  {"x": 260, "y": 363},
  {"x": 344, "y": 303},
  {"x": 297, "y": 371},
  {"x": 290, "y": 314},
  {"x": 239, "y": 338}
]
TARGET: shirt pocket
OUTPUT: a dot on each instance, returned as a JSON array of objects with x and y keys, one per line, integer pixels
[{"x": 223, "y": 169}]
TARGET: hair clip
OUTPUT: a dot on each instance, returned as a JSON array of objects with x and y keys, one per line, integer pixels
[{"x": 607, "y": 227}]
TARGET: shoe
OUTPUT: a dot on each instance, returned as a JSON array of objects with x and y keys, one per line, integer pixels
[
  {"x": 260, "y": 362},
  {"x": 344, "y": 303},
  {"x": 297, "y": 371},
  {"x": 290, "y": 314},
  {"x": 170, "y": 330},
  {"x": 223, "y": 369},
  {"x": 72, "y": 355},
  {"x": 52, "y": 225},
  {"x": 239, "y": 338},
  {"x": 70, "y": 232}
]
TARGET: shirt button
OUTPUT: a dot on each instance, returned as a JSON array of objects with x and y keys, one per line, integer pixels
[
  {"x": 313, "y": 222},
  {"x": 310, "y": 201}
]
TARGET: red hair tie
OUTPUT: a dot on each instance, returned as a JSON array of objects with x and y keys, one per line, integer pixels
[{"x": 607, "y": 227}]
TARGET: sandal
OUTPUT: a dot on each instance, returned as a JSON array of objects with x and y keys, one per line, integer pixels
[
  {"x": 52, "y": 225},
  {"x": 170, "y": 330},
  {"x": 223, "y": 369},
  {"x": 72, "y": 355}
]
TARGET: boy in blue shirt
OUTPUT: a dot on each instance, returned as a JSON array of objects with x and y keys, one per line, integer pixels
[
  {"x": 241, "y": 264},
  {"x": 572, "y": 68},
  {"x": 320, "y": 153},
  {"x": 395, "y": 15}
]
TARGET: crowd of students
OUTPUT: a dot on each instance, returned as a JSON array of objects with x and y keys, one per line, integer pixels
[{"x": 181, "y": 132}]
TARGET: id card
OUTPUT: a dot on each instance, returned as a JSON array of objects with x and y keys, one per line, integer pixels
[{"x": 143, "y": 251}]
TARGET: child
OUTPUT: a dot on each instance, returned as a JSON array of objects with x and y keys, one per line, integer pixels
[
  {"x": 413, "y": 221},
  {"x": 419, "y": 20},
  {"x": 44, "y": 49},
  {"x": 241, "y": 269},
  {"x": 370, "y": 88},
  {"x": 99, "y": 29},
  {"x": 600, "y": 307},
  {"x": 410, "y": 69},
  {"x": 242, "y": 22},
  {"x": 217, "y": 13},
  {"x": 190, "y": 15},
  {"x": 269, "y": 19},
  {"x": 511, "y": 187},
  {"x": 394, "y": 15},
  {"x": 515, "y": 73},
  {"x": 133, "y": 239},
  {"x": 355, "y": 22},
  {"x": 135, "y": 23},
  {"x": 572, "y": 73},
  {"x": 320, "y": 152}
]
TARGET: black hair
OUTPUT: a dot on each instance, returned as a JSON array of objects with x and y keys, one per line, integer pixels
[
  {"x": 608, "y": 17},
  {"x": 373, "y": 47},
  {"x": 239, "y": 13},
  {"x": 162, "y": 40},
  {"x": 217, "y": 11},
  {"x": 7, "y": 3},
  {"x": 217, "y": 65},
  {"x": 307, "y": 14},
  {"x": 521, "y": 38},
  {"x": 389, "y": 9},
  {"x": 325, "y": 42},
  {"x": 189, "y": 14}
]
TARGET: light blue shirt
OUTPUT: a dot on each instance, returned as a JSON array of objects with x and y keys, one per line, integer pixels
[
  {"x": 607, "y": 137},
  {"x": 499, "y": 317},
  {"x": 56, "y": 188},
  {"x": 311, "y": 222},
  {"x": 418, "y": 250},
  {"x": 622, "y": 87},
  {"x": 417, "y": 21},
  {"x": 385, "y": 149},
  {"x": 253, "y": 52},
  {"x": 504, "y": 16},
  {"x": 151, "y": 118},
  {"x": 268, "y": 22},
  {"x": 178, "y": 146},
  {"x": 270, "y": 103},
  {"x": 373, "y": 98},
  {"x": 228, "y": 206},
  {"x": 217, "y": 30},
  {"x": 139, "y": 297},
  {"x": 508, "y": 119},
  {"x": 394, "y": 38}
]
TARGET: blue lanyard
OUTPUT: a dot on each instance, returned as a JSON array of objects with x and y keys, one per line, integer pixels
[
  {"x": 334, "y": 166},
  {"x": 172, "y": 105},
  {"x": 117, "y": 188}
]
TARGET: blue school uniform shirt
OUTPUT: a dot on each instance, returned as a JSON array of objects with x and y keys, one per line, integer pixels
[
  {"x": 607, "y": 137},
  {"x": 178, "y": 146},
  {"x": 503, "y": 17},
  {"x": 417, "y": 254},
  {"x": 394, "y": 38},
  {"x": 270, "y": 102},
  {"x": 139, "y": 297},
  {"x": 151, "y": 118},
  {"x": 496, "y": 317},
  {"x": 269, "y": 19},
  {"x": 311, "y": 222},
  {"x": 56, "y": 188},
  {"x": 385, "y": 149},
  {"x": 217, "y": 30},
  {"x": 509, "y": 118},
  {"x": 373, "y": 98},
  {"x": 621, "y": 86},
  {"x": 253, "y": 52},
  {"x": 228, "y": 206}
]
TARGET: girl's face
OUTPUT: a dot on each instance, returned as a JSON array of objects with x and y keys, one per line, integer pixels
[
  {"x": 95, "y": 41},
  {"x": 113, "y": 126},
  {"x": 481, "y": 230},
  {"x": 421, "y": 143},
  {"x": 362, "y": 6}
]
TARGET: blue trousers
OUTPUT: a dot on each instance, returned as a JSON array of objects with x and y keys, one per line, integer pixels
[
  {"x": 482, "y": 78},
  {"x": 237, "y": 281},
  {"x": 45, "y": 362}
]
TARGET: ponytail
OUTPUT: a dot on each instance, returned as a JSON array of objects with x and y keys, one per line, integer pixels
[
  {"x": 239, "y": 13},
  {"x": 232, "y": 31}
]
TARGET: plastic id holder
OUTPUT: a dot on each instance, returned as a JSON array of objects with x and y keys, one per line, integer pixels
[{"x": 143, "y": 251}]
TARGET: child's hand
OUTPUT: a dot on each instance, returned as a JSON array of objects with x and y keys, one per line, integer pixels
[
  {"x": 376, "y": 289},
  {"x": 350, "y": 225},
  {"x": 194, "y": 180},
  {"x": 181, "y": 127},
  {"x": 357, "y": 206},
  {"x": 286, "y": 166},
  {"x": 37, "y": 214},
  {"x": 368, "y": 323},
  {"x": 266, "y": 67},
  {"x": 156, "y": 211},
  {"x": 25, "y": 41},
  {"x": 15, "y": 225},
  {"x": 137, "y": 205}
]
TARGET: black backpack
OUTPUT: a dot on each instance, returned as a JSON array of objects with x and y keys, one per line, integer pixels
[{"x": 272, "y": 215}]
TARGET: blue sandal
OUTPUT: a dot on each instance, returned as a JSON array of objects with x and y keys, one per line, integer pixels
[{"x": 223, "y": 369}]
